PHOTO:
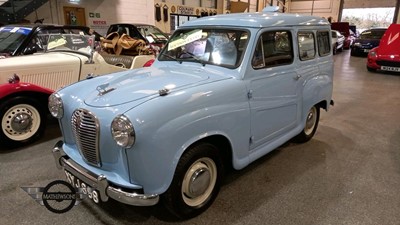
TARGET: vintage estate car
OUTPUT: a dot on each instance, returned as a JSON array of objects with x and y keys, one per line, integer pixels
[
  {"x": 27, "y": 81},
  {"x": 337, "y": 41},
  {"x": 367, "y": 40},
  {"x": 221, "y": 94},
  {"x": 25, "y": 39},
  {"x": 386, "y": 57}
]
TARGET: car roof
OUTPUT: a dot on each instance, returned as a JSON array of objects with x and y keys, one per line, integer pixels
[{"x": 257, "y": 20}]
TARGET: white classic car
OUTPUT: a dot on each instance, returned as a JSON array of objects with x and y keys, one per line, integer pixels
[{"x": 27, "y": 81}]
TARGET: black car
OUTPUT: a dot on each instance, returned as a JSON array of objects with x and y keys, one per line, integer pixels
[
  {"x": 24, "y": 39},
  {"x": 367, "y": 40}
]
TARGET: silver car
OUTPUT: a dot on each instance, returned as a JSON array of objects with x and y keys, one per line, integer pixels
[{"x": 337, "y": 41}]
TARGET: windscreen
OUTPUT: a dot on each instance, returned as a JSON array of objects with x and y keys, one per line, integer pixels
[
  {"x": 221, "y": 47},
  {"x": 372, "y": 34},
  {"x": 12, "y": 37}
]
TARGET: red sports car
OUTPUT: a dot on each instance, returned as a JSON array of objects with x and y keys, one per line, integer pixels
[{"x": 386, "y": 57}]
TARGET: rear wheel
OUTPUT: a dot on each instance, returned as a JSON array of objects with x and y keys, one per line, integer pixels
[
  {"x": 310, "y": 126},
  {"x": 334, "y": 49},
  {"x": 22, "y": 121},
  {"x": 196, "y": 182}
]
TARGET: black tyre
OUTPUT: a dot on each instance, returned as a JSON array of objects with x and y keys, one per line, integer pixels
[
  {"x": 196, "y": 182},
  {"x": 310, "y": 126},
  {"x": 371, "y": 69},
  {"x": 23, "y": 121},
  {"x": 334, "y": 49}
]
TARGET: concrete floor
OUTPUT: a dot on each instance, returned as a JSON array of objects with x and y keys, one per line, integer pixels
[{"x": 349, "y": 173}]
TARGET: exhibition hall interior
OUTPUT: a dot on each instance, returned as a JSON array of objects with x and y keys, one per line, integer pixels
[{"x": 282, "y": 112}]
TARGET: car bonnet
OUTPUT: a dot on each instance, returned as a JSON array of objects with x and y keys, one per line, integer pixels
[
  {"x": 390, "y": 42},
  {"x": 141, "y": 84}
]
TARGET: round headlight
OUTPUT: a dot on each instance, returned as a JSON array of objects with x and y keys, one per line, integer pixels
[
  {"x": 122, "y": 131},
  {"x": 56, "y": 107}
]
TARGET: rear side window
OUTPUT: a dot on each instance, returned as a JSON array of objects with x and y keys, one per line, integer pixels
[
  {"x": 324, "y": 46},
  {"x": 306, "y": 45},
  {"x": 274, "y": 48}
]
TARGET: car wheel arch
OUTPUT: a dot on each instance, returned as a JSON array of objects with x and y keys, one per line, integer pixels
[{"x": 217, "y": 139}]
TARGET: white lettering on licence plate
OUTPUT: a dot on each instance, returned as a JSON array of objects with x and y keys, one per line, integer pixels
[
  {"x": 86, "y": 189},
  {"x": 389, "y": 68}
]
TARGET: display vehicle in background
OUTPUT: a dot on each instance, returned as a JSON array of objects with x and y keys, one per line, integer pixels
[
  {"x": 149, "y": 33},
  {"x": 367, "y": 40},
  {"x": 27, "y": 81},
  {"x": 386, "y": 57},
  {"x": 344, "y": 29},
  {"x": 337, "y": 41},
  {"x": 221, "y": 94},
  {"x": 26, "y": 39}
]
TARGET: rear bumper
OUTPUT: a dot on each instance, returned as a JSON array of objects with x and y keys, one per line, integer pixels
[{"x": 100, "y": 182}]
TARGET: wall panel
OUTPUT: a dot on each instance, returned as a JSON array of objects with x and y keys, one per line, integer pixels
[{"x": 349, "y": 4}]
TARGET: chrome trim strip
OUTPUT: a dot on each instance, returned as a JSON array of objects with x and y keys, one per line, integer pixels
[{"x": 100, "y": 182}]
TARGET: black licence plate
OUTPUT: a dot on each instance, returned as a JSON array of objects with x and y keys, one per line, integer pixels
[{"x": 91, "y": 192}]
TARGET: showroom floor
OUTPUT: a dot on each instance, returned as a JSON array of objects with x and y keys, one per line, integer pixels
[{"x": 348, "y": 174}]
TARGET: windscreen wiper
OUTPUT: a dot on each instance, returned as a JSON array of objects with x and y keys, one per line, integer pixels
[
  {"x": 171, "y": 57},
  {"x": 194, "y": 57}
]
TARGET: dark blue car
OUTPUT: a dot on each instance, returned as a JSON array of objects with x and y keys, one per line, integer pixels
[{"x": 367, "y": 40}]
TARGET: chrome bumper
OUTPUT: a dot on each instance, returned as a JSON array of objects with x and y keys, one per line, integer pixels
[{"x": 100, "y": 182}]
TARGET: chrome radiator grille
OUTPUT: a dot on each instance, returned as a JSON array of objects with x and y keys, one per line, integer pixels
[{"x": 85, "y": 127}]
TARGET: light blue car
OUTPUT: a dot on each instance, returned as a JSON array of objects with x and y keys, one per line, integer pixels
[{"x": 224, "y": 91}]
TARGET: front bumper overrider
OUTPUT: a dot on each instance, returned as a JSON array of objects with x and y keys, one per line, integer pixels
[{"x": 100, "y": 182}]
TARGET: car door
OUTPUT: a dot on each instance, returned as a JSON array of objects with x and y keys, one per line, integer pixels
[{"x": 273, "y": 87}]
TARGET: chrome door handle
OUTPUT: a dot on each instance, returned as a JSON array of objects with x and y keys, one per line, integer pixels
[{"x": 297, "y": 77}]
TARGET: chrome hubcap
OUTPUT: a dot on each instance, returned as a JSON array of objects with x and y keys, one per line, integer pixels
[
  {"x": 21, "y": 122},
  {"x": 311, "y": 120},
  {"x": 199, "y": 182}
]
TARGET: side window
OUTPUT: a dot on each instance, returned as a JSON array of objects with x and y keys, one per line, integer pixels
[
  {"x": 258, "y": 58},
  {"x": 306, "y": 45},
  {"x": 324, "y": 47},
  {"x": 274, "y": 48}
]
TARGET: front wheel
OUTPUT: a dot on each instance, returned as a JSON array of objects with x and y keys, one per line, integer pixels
[
  {"x": 196, "y": 182},
  {"x": 310, "y": 126},
  {"x": 22, "y": 121}
]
